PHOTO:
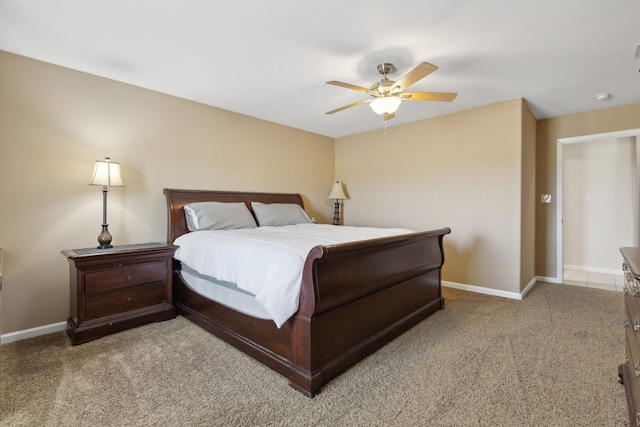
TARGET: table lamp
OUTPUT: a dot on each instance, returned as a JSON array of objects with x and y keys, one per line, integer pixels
[
  {"x": 337, "y": 193},
  {"x": 107, "y": 174}
]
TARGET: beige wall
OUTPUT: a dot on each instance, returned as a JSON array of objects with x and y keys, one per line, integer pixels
[
  {"x": 462, "y": 170},
  {"x": 528, "y": 200},
  {"x": 547, "y": 134},
  {"x": 472, "y": 171},
  {"x": 55, "y": 122}
]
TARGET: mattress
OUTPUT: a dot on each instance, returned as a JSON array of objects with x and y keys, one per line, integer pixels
[
  {"x": 225, "y": 293},
  {"x": 266, "y": 261}
]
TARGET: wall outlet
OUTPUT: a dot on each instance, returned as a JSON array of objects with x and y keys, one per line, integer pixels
[{"x": 587, "y": 197}]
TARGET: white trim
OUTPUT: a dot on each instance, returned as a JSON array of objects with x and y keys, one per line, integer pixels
[
  {"x": 549, "y": 280},
  {"x": 615, "y": 272},
  {"x": 481, "y": 290},
  {"x": 528, "y": 287},
  {"x": 61, "y": 326},
  {"x": 559, "y": 177},
  {"x": 33, "y": 332},
  {"x": 559, "y": 213},
  {"x": 491, "y": 291},
  {"x": 600, "y": 136}
]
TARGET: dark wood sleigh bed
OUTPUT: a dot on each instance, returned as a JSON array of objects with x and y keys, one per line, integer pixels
[{"x": 354, "y": 298}]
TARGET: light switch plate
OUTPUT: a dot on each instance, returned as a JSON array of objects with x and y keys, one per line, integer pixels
[{"x": 545, "y": 198}]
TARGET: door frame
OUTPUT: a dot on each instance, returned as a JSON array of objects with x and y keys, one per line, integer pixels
[{"x": 560, "y": 143}]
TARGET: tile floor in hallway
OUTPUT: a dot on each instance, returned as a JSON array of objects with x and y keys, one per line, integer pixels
[{"x": 612, "y": 282}]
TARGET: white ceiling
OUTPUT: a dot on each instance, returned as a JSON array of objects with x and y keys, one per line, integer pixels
[{"x": 271, "y": 59}]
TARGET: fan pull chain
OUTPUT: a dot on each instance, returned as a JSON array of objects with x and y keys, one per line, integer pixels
[{"x": 384, "y": 123}]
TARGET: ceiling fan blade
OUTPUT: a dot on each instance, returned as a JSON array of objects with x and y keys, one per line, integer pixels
[
  {"x": 428, "y": 96},
  {"x": 355, "y": 104},
  {"x": 420, "y": 72},
  {"x": 350, "y": 86}
]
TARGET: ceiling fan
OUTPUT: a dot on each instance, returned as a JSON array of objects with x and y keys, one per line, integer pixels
[{"x": 388, "y": 94}]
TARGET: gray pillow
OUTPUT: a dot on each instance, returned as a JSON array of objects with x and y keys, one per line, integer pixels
[
  {"x": 218, "y": 216},
  {"x": 279, "y": 214}
]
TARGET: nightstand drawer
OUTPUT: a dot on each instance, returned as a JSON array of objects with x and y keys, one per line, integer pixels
[
  {"x": 104, "y": 304},
  {"x": 123, "y": 277}
]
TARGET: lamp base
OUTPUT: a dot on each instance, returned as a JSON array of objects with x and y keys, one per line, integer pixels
[
  {"x": 336, "y": 213},
  {"x": 104, "y": 238}
]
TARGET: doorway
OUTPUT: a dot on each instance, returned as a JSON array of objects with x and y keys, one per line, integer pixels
[{"x": 580, "y": 273}]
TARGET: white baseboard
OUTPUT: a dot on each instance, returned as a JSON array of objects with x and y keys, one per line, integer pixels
[
  {"x": 615, "y": 272},
  {"x": 33, "y": 332},
  {"x": 61, "y": 326},
  {"x": 549, "y": 279},
  {"x": 491, "y": 291},
  {"x": 529, "y": 286}
]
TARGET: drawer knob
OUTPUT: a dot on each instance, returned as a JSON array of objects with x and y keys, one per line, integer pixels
[
  {"x": 626, "y": 323},
  {"x": 129, "y": 277},
  {"x": 128, "y": 299}
]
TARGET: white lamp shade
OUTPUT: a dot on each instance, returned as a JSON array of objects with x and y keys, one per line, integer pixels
[
  {"x": 337, "y": 192},
  {"x": 107, "y": 174},
  {"x": 385, "y": 105}
]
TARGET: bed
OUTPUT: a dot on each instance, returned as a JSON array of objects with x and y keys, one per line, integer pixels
[{"x": 354, "y": 297}]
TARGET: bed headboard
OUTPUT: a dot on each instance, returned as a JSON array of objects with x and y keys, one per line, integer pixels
[{"x": 176, "y": 199}]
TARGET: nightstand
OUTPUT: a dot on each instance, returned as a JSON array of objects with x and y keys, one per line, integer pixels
[{"x": 118, "y": 288}]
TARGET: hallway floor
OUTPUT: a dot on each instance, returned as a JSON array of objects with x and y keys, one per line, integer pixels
[{"x": 612, "y": 282}]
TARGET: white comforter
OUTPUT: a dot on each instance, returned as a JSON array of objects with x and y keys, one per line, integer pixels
[{"x": 267, "y": 261}]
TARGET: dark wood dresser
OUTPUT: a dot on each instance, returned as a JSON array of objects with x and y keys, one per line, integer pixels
[
  {"x": 630, "y": 370},
  {"x": 118, "y": 288}
]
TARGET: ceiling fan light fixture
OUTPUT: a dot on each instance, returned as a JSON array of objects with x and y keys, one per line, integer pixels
[
  {"x": 385, "y": 105},
  {"x": 387, "y": 95}
]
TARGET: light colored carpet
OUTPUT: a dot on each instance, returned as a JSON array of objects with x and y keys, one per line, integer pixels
[{"x": 549, "y": 360}]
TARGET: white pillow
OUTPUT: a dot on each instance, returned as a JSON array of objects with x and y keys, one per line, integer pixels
[
  {"x": 279, "y": 214},
  {"x": 218, "y": 216}
]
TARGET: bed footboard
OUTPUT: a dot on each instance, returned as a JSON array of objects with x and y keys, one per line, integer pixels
[{"x": 357, "y": 297}]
